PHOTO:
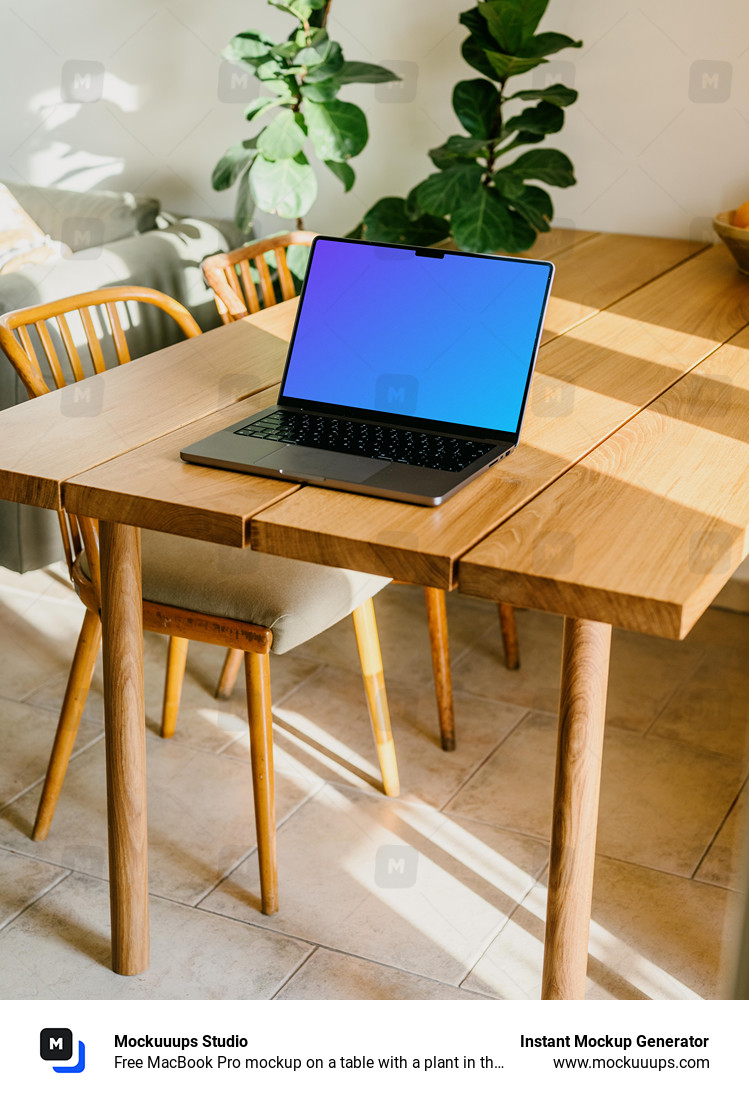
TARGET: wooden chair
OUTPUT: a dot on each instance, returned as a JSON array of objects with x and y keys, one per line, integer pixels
[
  {"x": 293, "y": 600},
  {"x": 230, "y": 277}
]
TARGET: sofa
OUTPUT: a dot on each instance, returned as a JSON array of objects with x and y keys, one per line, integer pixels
[{"x": 111, "y": 238}]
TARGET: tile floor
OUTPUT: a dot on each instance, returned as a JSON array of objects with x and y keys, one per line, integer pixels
[{"x": 438, "y": 894}]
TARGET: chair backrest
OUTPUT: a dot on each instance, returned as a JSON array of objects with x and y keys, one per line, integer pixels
[
  {"x": 235, "y": 285},
  {"x": 16, "y": 337},
  {"x": 29, "y": 342}
]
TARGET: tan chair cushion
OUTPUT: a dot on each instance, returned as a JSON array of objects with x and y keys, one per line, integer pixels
[{"x": 294, "y": 599}]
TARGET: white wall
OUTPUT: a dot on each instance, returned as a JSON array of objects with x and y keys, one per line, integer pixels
[{"x": 659, "y": 137}]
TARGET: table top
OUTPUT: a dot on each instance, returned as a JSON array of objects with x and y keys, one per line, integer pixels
[{"x": 615, "y": 405}]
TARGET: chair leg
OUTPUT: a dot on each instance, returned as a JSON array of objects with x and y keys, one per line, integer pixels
[
  {"x": 79, "y": 681},
  {"x": 509, "y": 630},
  {"x": 175, "y": 674},
  {"x": 438, "y": 640},
  {"x": 257, "y": 673},
  {"x": 368, "y": 642},
  {"x": 228, "y": 677}
]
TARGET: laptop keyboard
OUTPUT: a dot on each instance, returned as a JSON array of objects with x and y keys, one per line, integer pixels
[{"x": 436, "y": 452}]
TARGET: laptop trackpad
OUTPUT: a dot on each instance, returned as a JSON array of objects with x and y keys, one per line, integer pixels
[{"x": 309, "y": 462}]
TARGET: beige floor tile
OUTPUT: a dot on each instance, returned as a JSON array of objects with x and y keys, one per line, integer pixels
[
  {"x": 329, "y": 711},
  {"x": 643, "y": 673},
  {"x": 200, "y": 816},
  {"x": 42, "y": 633},
  {"x": 26, "y": 737},
  {"x": 653, "y": 935},
  {"x": 329, "y": 976},
  {"x": 661, "y": 802},
  {"x": 725, "y": 863},
  {"x": 22, "y": 881},
  {"x": 404, "y": 633},
  {"x": 59, "y": 949},
  {"x": 391, "y": 881},
  {"x": 711, "y": 709}
]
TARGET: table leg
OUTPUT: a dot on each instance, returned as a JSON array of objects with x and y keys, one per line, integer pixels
[
  {"x": 122, "y": 636},
  {"x": 582, "y": 708}
]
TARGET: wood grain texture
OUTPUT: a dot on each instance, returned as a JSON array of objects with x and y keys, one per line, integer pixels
[
  {"x": 439, "y": 645},
  {"x": 645, "y": 531},
  {"x": 124, "y": 718},
  {"x": 61, "y": 434},
  {"x": 152, "y": 487},
  {"x": 589, "y": 382},
  {"x": 582, "y": 709}
]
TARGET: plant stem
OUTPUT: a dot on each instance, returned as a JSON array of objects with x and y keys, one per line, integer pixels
[
  {"x": 326, "y": 13},
  {"x": 496, "y": 129},
  {"x": 299, "y": 223}
]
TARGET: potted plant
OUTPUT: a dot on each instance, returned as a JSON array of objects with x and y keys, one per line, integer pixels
[
  {"x": 302, "y": 78},
  {"x": 480, "y": 194}
]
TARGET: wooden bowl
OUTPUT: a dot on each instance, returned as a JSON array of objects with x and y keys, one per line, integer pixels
[{"x": 735, "y": 239}]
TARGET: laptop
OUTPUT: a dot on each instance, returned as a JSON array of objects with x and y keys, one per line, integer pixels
[{"x": 407, "y": 374}]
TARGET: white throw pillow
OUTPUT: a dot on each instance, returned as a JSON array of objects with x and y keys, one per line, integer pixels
[{"x": 21, "y": 239}]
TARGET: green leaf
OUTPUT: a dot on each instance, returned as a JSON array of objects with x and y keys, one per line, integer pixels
[
  {"x": 507, "y": 184},
  {"x": 249, "y": 47},
  {"x": 263, "y": 103},
  {"x": 388, "y": 221},
  {"x": 547, "y": 165},
  {"x": 331, "y": 66},
  {"x": 285, "y": 51},
  {"x": 302, "y": 9},
  {"x": 475, "y": 54},
  {"x": 234, "y": 161},
  {"x": 344, "y": 171},
  {"x": 285, "y": 187},
  {"x": 558, "y": 94},
  {"x": 442, "y": 192},
  {"x": 338, "y": 130},
  {"x": 477, "y": 26},
  {"x": 466, "y": 147},
  {"x": 545, "y": 118},
  {"x": 523, "y": 234},
  {"x": 314, "y": 54},
  {"x": 505, "y": 66},
  {"x": 361, "y": 72},
  {"x": 245, "y": 207},
  {"x": 323, "y": 91},
  {"x": 505, "y": 24},
  {"x": 536, "y": 207},
  {"x": 269, "y": 69},
  {"x": 523, "y": 137},
  {"x": 483, "y": 223},
  {"x": 283, "y": 137},
  {"x": 443, "y": 157},
  {"x": 476, "y": 102},
  {"x": 544, "y": 44},
  {"x": 529, "y": 11}
]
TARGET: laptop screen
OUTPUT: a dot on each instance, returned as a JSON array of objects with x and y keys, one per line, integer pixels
[{"x": 444, "y": 337}]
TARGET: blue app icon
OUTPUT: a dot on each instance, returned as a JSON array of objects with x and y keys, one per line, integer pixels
[{"x": 56, "y": 1045}]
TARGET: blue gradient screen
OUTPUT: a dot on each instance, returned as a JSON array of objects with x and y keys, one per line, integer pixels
[{"x": 387, "y": 330}]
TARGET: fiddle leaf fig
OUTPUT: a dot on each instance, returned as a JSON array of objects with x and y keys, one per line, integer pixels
[
  {"x": 484, "y": 201},
  {"x": 302, "y": 77}
]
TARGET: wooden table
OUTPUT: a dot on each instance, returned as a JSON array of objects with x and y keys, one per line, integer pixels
[{"x": 616, "y": 396}]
